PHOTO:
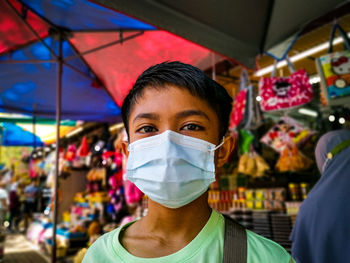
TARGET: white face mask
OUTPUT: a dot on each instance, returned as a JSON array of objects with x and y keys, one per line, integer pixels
[{"x": 170, "y": 168}]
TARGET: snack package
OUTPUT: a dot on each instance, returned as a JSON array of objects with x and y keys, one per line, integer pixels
[
  {"x": 286, "y": 131},
  {"x": 252, "y": 164},
  {"x": 261, "y": 165},
  {"x": 292, "y": 159}
]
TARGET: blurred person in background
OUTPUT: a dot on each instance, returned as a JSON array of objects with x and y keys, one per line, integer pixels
[
  {"x": 3, "y": 203},
  {"x": 14, "y": 206},
  {"x": 22, "y": 203},
  {"x": 322, "y": 230},
  {"x": 30, "y": 192}
]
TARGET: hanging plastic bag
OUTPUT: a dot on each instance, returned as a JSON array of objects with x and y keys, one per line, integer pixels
[
  {"x": 261, "y": 165},
  {"x": 246, "y": 164},
  {"x": 334, "y": 70},
  {"x": 280, "y": 93},
  {"x": 293, "y": 160},
  {"x": 252, "y": 164}
]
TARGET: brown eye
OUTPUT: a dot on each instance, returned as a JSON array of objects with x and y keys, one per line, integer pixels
[
  {"x": 192, "y": 127},
  {"x": 146, "y": 129}
]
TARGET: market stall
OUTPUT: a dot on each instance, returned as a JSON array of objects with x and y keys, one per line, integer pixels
[
  {"x": 73, "y": 56},
  {"x": 93, "y": 196},
  {"x": 262, "y": 185}
]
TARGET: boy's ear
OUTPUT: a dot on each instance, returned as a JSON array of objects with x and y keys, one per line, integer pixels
[
  {"x": 224, "y": 152},
  {"x": 125, "y": 145}
]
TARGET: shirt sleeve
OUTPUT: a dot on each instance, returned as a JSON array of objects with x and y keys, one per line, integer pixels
[
  {"x": 101, "y": 250},
  {"x": 93, "y": 253},
  {"x": 263, "y": 250}
]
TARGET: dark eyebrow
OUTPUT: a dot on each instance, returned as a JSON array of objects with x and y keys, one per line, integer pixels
[
  {"x": 152, "y": 116},
  {"x": 188, "y": 113}
]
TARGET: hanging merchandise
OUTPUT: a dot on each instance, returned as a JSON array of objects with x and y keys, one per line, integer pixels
[
  {"x": 97, "y": 174},
  {"x": 71, "y": 153},
  {"x": 83, "y": 153},
  {"x": 245, "y": 140},
  {"x": 292, "y": 160},
  {"x": 246, "y": 111},
  {"x": 252, "y": 164},
  {"x": 280, "y": 93},
  {"x": 253, "y": 115},
  {"x": 116, "y": 192},
  {"x": 84, "y": 148},
  {"x": 116, "y": 201},
  {"x": 132, "y": 193},
  {"x": 334, "y": 70},
  {"x": 98, "y": 147},
  {"x": 108, "y": 158},
  {"x": 261, "y": 165},
  {"x": 49, "y": 162},
  {"x": 240, "y": 103},
  {"x": 286, "y": 131}
]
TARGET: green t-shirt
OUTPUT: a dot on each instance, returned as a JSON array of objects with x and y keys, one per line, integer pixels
[{"x": 206, "y": 247}]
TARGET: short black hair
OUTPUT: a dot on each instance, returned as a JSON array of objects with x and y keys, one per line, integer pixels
[{"x": 183, "y": 76}]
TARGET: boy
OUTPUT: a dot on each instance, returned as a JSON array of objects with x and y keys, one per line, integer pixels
[{"x": 176, "y": 119}]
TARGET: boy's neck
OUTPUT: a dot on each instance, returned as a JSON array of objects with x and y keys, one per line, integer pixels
[
  {"x": 164, "y": 231},
  {"x": 186, "y": 221}
]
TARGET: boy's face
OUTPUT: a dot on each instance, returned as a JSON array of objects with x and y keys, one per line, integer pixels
[
  {"x": 176, "y": 109},
  {"x": 172, "y": 108}
]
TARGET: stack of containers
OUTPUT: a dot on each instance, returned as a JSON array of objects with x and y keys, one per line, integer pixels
[
  {"x": 262, "y": 223},
  {"x": 281, "y": 229},
  {"x": 244, "y": 217}
]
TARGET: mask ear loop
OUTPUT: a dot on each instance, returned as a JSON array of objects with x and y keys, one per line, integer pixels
[{"x": 218, "y": 146}]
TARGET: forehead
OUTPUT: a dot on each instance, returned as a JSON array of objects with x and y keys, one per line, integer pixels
[{"x": 169, "y": 98}]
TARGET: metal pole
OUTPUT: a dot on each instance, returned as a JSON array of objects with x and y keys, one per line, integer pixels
[
  {"x": 58, "y": 119},
  {"x": 79, "y": 55},
  {"x": 29, "y": 61},
  {"x": 1, "y": 140},
  {"x": 213, "y": 71},
  {"x": 28, "y": 26},
  {"x": 34, "y": 130}
]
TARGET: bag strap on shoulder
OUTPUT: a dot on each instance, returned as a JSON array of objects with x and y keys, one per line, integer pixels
[{"x": 235, "y": 242}]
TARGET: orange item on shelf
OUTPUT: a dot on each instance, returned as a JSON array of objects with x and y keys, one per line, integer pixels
[{"x": 292, "y": 159}]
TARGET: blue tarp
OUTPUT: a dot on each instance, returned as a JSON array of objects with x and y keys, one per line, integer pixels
[
  {"x": 82, "y": 15},
  {"x": 30, "y": 87},
  {"x": 95, "y": 80},
  {"x": 13, "y": 135}
]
